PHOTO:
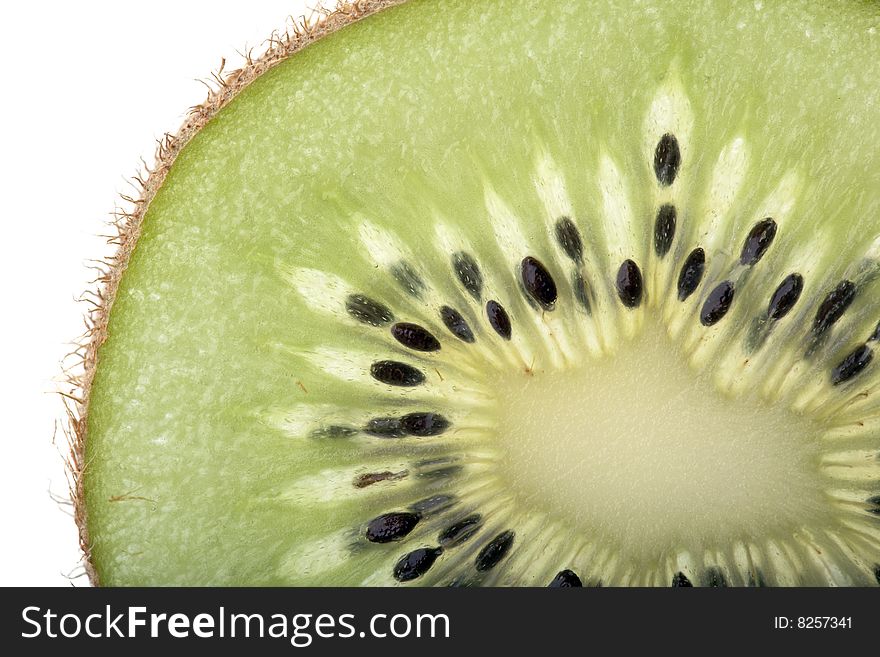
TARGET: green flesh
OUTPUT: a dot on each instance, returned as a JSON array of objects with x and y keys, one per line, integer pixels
[{"x": 457, "y": 125}]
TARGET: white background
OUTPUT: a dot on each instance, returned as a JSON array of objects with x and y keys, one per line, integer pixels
[{"x": 87, "y": 89}]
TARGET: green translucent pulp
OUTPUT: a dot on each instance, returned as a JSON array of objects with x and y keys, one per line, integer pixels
[{"x": 406, "y": 114}]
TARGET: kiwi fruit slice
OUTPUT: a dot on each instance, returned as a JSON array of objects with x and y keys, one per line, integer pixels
[{"x": 504, "y": 293}]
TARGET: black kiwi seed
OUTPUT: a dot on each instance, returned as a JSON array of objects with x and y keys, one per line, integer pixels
[
  {"x": 433, "y": 504},
  {"x": 441, "y": 473},
  {"x": 334, "y": 431},
  {"x": 758, "y": 241},
  {"x": 424, "y": 424},
  {"x": 629, "y": 284},
  {"x": 833, "y": 306},
  {"x": 468, "y": 274},
  {"x": 456, "y": 324},
  {"x": 499, "y": 319},
  {"x": 664, "y": 229},
  {"x": 460, "y": 531},
  {"x": 538, "y": 282},
  {"x": 667, "y": 159},
  {"x": 370, "y": 478},
  {"x": 494, "y": 551},
  {"x": 367, "y": 310},
  {"x": 717, "y": 304},
  {"x": 415, "y": 564},
  {"x": 680, "y": 580},
  {"x": 874, "y": 503},
  {"x": 391, "y": 526},
  {"x": 877, "y": 573},
  {"x": 785, "y": 296},
  {"x": 581, "y": 293},
  {"x": 415, "y": 337},
  {"x": 569, "y": 239},
  {"x": 395, "y": 373},
  {"x": 565, "y": 579},
  {"x": 875, "y": 336},
  {"x": 408, "y": 279},
  {"x": 691, "y": 273},
  {"x": 857, "y": 360},
  {"x": 713, "y": 577},
  {"x": 385, "y": 427},
  {"x": 437, "y": 460},
  {"x": 529, "y": 299}
]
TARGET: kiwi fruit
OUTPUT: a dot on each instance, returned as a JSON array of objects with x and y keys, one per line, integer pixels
[{"x": 457, "y": 293}]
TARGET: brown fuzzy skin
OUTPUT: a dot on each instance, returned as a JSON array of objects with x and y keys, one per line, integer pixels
[{"x": 126, "y": 227}]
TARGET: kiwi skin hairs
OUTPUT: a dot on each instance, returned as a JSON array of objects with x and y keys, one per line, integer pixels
[{"x": 125, "y": 228}]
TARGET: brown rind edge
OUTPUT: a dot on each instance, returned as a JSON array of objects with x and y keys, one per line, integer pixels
[{"x": 80, "y": 366}]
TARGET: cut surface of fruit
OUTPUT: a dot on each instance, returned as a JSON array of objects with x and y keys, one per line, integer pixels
[{"x": 574, "y": 293}]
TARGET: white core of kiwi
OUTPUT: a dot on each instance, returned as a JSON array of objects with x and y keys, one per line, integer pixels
[{"x": 641, "y": 452}]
